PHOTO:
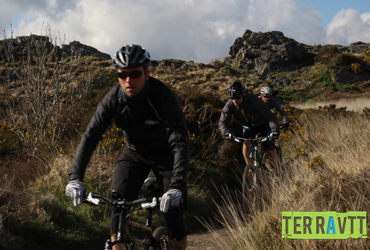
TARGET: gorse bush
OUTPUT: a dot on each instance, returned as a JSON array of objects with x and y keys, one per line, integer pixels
[{"x": 9, "y": 141}]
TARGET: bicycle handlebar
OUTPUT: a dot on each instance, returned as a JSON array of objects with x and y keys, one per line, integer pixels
[
  {"x": 95, "y": 199},
  {"x": 242, "y": 139}
]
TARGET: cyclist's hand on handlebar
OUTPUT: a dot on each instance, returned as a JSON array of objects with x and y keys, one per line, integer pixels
[
  {"x": 75, "y": 190},
  {"x": 273, "y": 136},
  {"x": 229, "y": 137},
  {"x": 170, "y": 199}
]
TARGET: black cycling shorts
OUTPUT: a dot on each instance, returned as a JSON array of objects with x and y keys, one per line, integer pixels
[{"x": 130, "y": 172}]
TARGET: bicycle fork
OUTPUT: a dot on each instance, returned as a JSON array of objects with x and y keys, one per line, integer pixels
[
  {"x": 148, "y": 234},
  {"x": 255, "y": 165},
  {"x": 122, "y": 227}
]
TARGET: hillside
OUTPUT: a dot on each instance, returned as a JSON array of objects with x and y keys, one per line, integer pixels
[
  {"x": 298, "y": 72},
  {"x": 48, "y": 93}
]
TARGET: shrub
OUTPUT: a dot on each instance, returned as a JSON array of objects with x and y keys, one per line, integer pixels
[{"x": 51, "y": 83}]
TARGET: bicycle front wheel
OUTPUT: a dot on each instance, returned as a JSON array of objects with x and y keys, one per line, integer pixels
[
  {"x": 160, "y": 237},
  {"x": 249, "y": 183}
]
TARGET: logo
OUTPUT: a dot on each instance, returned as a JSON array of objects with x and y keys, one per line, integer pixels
[{"x": 324, "y": 225}]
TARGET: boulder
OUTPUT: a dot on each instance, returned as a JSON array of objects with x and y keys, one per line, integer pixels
[
  {"x": 21, "y": 46},
  {"x": 270, "y": 52}
]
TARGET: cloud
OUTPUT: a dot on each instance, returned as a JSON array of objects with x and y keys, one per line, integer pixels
[
  {"x": 349, "y": 26},
  {"x": 199, "y": 30}
]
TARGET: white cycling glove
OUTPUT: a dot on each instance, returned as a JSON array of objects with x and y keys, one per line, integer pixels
[
  {"x": 273, "y": 136},
  {"x": 170, "y": 199},
  {"x": 229, "y": 137},
  {"x": 75, "y": 190}
]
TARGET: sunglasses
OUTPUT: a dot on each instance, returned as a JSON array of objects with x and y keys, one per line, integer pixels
[
  {"x": 266, "y": 96},
  {"x": 132, "y": 74}
]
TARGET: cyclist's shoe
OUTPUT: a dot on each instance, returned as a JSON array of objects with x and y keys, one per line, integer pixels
[{"x": 108, "y": 245}]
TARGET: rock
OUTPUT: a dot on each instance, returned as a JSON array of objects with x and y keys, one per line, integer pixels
[
  {"x": 359, "y": 47},
  {"x": 343, "y": 76},
  {"x": 84, "y": 50},
  {"x": 270, "y": 52},
  {"x": 20, "y": 46}
]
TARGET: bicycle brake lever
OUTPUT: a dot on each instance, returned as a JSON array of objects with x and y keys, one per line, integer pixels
[
  {"x": 92, "y": 200},
  {"x": 237, "y": 139}
]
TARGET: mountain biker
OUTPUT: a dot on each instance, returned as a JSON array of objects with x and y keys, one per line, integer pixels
[
  {"x": 156, "y": 139},
  {"x": 254, "y": 116},
  {"x": 273, "y": 103}
]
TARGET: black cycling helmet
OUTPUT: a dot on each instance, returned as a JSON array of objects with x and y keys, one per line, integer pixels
[
  {"x": 236, "y": 90},
  {"x": 131, "y": 56}
]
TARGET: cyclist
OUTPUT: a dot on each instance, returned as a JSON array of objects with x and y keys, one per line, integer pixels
[
  {"x": 273, "y": 103},
  {"x": 156, "y": 139},
  {"x": 254, "y": 116}
]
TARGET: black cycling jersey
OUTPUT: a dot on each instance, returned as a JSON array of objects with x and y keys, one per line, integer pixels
[
  {"x": 274, "y": 103},
  {"x": 252, "y": 112},
  {"x": 152, "y": 123}
]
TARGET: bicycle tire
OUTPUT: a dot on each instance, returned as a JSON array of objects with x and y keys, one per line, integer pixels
[
  {"x": 248, "y": 184},
  {"x": 160, "y": 237}
]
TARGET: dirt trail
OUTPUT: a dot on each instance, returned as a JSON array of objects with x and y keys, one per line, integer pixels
[{"x": 206, "y": 241}]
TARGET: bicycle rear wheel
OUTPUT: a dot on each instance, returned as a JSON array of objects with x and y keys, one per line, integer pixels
[{"x": 160, "y": 237}]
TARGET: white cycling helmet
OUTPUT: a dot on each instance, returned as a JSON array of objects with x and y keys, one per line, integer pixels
[
  {"x": 266, "y": 90},
  {"x": 131, "y": 56}
]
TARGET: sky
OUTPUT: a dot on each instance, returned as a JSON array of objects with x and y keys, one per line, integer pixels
[{"x": 197, "y": 30}]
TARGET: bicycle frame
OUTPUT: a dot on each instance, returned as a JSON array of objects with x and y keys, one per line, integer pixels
[
  {"x": 256, "y": 157},
  {"x": 125, "y": 208},
  {"x": 255, "y": 154}
]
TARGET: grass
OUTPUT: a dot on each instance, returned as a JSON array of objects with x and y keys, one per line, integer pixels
[
  {"x": 338, "y": 182},
  {"x": 36, "y": 214},
  {"x": 351, "y": 104},
  {"x": 314, "y": 149}
]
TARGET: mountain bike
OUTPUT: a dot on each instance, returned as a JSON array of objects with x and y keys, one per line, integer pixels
[
  {"x": 255, "y": 175},
  {"x": 154, "y": 238}
]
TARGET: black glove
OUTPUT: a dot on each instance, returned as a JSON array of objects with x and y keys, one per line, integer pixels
[{"x": 229, "y": 137}]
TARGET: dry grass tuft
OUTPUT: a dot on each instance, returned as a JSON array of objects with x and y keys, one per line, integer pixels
[{"x": 339, "y": 181}]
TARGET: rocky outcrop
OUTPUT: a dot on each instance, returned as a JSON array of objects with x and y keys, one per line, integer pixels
[
  {"x": 273, "y": 52},
  {"x": 84, "y": 50},
  {"x": 270, "y": 51},
  {"x": 19, "y": 47}
]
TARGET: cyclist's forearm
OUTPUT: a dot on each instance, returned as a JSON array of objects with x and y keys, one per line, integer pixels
[{"x": 180, "y": 167}]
